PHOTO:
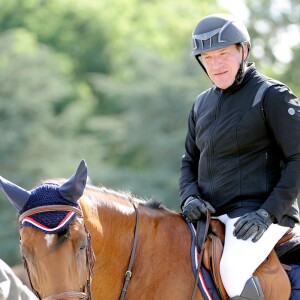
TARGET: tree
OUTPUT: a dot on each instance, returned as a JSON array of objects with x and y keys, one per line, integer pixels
[
  {"x": 274, "y": 28},
  {"x": 33, "y": 80},
  {"x": 110, "y": 81},
  {"x": 71, "y": 27},
  {"x": 145, "y": 139}
]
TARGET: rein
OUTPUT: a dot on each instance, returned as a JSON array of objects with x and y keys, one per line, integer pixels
[
  {"x": 201, "y": 234},
  {"x": 89, "y": 254},
  {"x": 128, "y": 273}
]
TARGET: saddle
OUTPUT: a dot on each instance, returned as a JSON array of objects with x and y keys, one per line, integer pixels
[{"x": 271, "y": 273}]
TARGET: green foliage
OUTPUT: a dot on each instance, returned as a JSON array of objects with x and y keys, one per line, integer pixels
[
  {"x": 110, "y": 81},
  {"x": 273, "y": 26},
  {"x": 147, "y": 137},
  {"x": 292, "y": 73},
  {"x": 8, "y": 233},
  {"x": 72, "y": 27}
]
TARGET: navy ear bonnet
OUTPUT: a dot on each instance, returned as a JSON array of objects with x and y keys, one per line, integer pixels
[
  {"x": 48, "y": 194},
  {"x": 48, "y": 222}
]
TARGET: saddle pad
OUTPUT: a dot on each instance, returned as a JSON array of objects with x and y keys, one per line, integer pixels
[
  {"x": 294, "y": 276},
  {"x": 205, "y": 282}
]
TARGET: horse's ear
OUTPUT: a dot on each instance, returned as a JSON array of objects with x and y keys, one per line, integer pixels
[
  {"x": 73, "y": 189},
  {"x": 16, "y": 195}
]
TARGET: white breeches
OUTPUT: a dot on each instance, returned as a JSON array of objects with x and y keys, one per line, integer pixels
[{"x": 241, "y": 258}]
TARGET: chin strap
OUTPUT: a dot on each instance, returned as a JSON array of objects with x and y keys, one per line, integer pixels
[
  {"x": 201, "y": 64},
  {"x": 241, "y": 71}
]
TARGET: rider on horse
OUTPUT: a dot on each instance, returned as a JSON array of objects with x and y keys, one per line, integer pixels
[{"x": 242, "y": 156}]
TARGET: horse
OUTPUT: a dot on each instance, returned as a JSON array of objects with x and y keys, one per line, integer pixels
[
  {"x": 79, "y": 241},
  {"x": 101, "y": 231}
]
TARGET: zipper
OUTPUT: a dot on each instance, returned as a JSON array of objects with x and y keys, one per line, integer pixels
[
  {"x": 266, "y": 171},
  {"x": 210, "y": 144}
]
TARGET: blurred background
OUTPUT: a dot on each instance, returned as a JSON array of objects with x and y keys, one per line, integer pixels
[{"x": 112, "y": 82}]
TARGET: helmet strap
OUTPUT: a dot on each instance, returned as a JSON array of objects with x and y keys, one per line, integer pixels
[
  {"x": 201, "y": 64},
  {"x": 241, "y": 71}
]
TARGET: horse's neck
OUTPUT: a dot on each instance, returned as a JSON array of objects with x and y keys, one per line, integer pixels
[
  {"x": 109, "y": 224},
  {"x": 111, "y": 232},
  {"x": 163, "y": 245}
]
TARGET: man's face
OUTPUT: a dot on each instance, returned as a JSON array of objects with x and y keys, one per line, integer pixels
[{"x": 222, "y": 64}]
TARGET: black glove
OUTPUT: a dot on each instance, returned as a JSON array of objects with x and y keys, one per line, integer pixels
[
  {"x": 194, "y": 207},
  {"x": 256, "y": 223}
]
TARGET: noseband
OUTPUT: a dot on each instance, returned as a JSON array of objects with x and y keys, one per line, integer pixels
[{"x": 89, "y": 254}]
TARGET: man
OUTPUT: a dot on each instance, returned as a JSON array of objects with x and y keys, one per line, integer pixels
[{"x": 242, "y": 154}]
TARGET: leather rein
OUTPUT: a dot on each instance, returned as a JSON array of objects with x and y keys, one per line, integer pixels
[
  {"x": 201, "y": 235},
  {"x": 128, "y": 273},
  {"x": 89, "y": 254}
]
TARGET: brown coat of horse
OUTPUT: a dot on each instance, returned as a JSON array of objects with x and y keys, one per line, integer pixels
[
  {"x": 60, "y": 264},
  {"x": 162, "y": 266}
]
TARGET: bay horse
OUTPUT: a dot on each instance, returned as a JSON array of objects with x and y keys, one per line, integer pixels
[
  {"x": 84, "y": 242},
  {"x": 60, "y": 259}
]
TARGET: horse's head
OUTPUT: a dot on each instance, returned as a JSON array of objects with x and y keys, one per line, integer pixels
[{"x": 54, "y": 241}]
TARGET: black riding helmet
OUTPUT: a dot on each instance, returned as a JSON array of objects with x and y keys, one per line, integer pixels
[{"x": 218, "y": 31}]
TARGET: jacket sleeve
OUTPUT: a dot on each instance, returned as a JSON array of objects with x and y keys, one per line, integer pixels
[
  {"x": 188, "y": 180},
  {"x": 282, "y": 111}
]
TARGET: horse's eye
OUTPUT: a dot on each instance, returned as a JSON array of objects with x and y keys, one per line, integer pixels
[{"x": 83, "y": 246}]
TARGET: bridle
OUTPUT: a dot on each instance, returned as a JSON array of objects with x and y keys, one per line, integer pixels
[
  {"x": 89, "y": 254},
  {"x": 90, "y": 258}
]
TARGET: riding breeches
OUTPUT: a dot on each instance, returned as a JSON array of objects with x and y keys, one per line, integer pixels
[{"x": 241, "y": 258}]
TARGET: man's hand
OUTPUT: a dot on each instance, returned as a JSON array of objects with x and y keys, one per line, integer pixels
[
  {"x": 254, "y": 223},
  {"x": 194, "y": 208}
]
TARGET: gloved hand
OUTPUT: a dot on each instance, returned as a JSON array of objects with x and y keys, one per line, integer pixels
[
  {"x": 194, "y": 208},
  {"x": 256, "y": 223}
]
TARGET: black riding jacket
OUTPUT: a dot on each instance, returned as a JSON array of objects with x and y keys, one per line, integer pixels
[{"x": 241, "y": 157}]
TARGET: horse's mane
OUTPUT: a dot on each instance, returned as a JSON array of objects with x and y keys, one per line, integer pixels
[{"x": 127, "y": 195}]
